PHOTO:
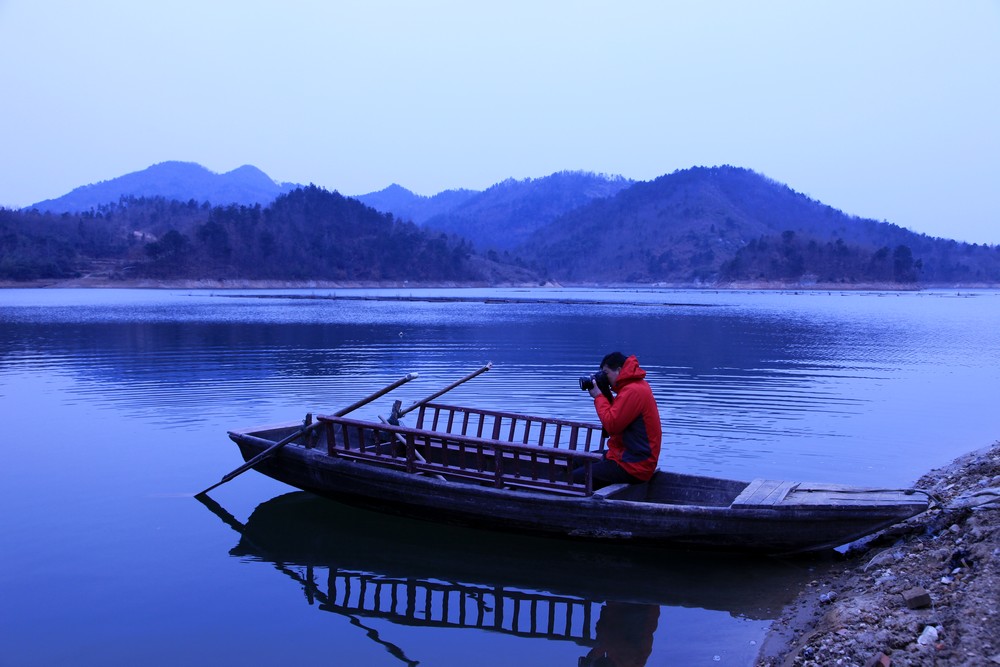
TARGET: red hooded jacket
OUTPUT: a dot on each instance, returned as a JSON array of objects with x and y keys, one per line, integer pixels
[{"x": 632, "y": 422}]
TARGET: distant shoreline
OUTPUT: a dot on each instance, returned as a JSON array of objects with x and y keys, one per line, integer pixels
[{"x": 100, "y": 282}]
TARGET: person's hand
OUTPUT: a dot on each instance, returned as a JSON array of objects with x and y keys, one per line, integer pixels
[{"x": 594, "y": 391}]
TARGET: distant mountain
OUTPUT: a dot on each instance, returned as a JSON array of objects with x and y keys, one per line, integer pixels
[
  {"x": 407, "y": 205},
  {"x": 706, "y": 225},
  {"x": 702, "y": 226},
  {"x": 506, "y": 214},
  {"x": 182, "y": 181}
]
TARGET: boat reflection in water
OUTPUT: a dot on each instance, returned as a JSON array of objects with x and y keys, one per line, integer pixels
[{"x": 605, "y": 598}]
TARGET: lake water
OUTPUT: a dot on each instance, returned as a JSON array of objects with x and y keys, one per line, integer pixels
[{"x": 116, "y": 404}]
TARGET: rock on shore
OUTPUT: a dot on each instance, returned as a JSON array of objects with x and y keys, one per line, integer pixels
[{"x": 924, "y": 592}]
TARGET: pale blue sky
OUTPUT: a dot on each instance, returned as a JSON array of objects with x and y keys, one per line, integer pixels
[{"x": 883, "y": 109}]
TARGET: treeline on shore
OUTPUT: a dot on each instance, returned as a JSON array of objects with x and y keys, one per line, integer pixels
[
  {"x": 307, "y": 234},
  {"x": 789, "y": 257}
]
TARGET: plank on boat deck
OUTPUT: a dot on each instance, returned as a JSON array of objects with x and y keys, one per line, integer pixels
[
  {"x": 833, "y": 495},
  {"x": 763, "y": 492},
  {"x": 766, "y": 492}
]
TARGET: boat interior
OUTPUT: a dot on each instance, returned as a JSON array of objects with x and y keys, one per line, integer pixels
[{"x": 503, "y": 450}]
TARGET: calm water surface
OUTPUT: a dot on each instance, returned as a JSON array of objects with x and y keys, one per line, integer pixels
[{"x": 116, "y": 404}]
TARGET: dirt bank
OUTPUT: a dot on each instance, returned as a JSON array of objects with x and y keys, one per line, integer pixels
[{"x": 924, "y": 592}]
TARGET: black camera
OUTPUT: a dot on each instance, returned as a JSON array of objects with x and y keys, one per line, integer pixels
[{"x": 600, "y": 379}]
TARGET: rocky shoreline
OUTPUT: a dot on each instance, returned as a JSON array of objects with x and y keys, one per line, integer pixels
[{"x": 924, "y": 592}]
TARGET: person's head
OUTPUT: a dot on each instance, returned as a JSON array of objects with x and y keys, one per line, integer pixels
[{"x": 612, "y": 364}]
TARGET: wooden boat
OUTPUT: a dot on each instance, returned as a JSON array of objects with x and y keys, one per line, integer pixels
[{"x": 513, "y": 472}]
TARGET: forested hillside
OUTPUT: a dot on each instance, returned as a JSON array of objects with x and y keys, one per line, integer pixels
[
  {"x": 308, "y": 234},
  {"x": 721, "y": 224},
  {"x": 406, "y": 205},
  {"x": 505, "y": 215}
]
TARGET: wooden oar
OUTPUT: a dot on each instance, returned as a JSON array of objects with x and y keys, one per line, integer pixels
[
  {"x": 270, "y": 451},
  {"x": 397, "y": 413}
]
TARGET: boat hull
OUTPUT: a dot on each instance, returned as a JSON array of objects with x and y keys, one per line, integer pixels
[{"x": 711, "y": 523}]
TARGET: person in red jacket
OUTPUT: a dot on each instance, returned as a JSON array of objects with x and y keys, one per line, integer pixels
[{"x": 632, "y": 421}]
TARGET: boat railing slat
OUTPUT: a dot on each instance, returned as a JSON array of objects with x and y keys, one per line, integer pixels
[
  {"x": 497, "y": 462},
  {"x": 513, "y": 427}
]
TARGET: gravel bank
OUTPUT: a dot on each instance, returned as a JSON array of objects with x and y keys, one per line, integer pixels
[{"x": 924, "y": 592}]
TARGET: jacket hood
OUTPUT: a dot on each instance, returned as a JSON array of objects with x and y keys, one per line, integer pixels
[{"x": 631, "y": 372}]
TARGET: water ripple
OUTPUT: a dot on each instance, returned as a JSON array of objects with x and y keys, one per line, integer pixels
[{"x": 774, "y": 378}]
